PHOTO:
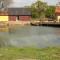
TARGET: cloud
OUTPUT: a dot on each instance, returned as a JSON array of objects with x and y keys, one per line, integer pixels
[{"x": 21, "y": 3}]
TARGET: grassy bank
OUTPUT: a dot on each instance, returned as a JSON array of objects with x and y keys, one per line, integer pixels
[{"x": 29, "y": 53}]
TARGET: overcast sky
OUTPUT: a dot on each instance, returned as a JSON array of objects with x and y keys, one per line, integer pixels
[{"x": 21, "y": 3}]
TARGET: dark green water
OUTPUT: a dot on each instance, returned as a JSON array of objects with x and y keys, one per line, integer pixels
[{"x": 31, "y": 36}]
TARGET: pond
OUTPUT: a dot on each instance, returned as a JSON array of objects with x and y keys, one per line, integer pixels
[{"x": 31, "y": 36}]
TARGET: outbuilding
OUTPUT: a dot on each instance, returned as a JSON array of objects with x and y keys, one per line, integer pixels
[
  {"x": 15, "y": 14},
  {"x": 57, "y": 13},
  {"x": 19, "y": 14}
]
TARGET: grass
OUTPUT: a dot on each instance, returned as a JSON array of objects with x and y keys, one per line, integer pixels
[{"x": 29, "y": 53}]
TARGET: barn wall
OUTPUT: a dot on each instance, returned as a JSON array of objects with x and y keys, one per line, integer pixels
[
  {"x": 3, "y": 18},
  {"x": 58, "y": 18},
  {"x": 12, "y": 18},
  {"x": 24, "y": 18}
]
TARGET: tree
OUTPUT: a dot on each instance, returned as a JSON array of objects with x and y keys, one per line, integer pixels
[
  {"x": 4, "y": 4},
  {"x": 50, "y": 12},
  {"x": 38, "y": 9}
]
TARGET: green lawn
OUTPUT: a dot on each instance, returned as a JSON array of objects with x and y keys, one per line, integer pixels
[{"x": 29, "y": 53}]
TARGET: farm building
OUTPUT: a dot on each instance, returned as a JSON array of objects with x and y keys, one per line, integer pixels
[
  {"x": 57, "y": 12},
  {"x": 3, "y": 16},
  {"x": 16, "y": 14}
]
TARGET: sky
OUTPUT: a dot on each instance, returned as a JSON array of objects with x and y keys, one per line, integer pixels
[
  {"x": 52, "y": 2},
  {"x": 21, "y": 3}
]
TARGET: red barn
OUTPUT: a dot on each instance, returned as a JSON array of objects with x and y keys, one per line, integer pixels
[{"x": 20, "y": 14}]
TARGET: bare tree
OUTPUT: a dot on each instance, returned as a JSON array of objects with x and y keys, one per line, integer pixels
[{"x": 4, "y": 4}]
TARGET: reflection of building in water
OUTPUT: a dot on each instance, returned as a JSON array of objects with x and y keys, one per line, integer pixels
[{"x": 57, "y": 12}]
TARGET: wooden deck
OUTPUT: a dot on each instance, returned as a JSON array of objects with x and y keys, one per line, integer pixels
[{"x": 50, "y": 23}]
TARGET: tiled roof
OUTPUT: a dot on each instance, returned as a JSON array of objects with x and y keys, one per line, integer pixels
[
  {"x": 19, "y": 11},
  {"x": 16, "y": 11},
  {"x": 57, "y": 9}
]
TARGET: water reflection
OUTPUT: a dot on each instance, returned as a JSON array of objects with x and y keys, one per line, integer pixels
[{"x": 27, "y": 36}]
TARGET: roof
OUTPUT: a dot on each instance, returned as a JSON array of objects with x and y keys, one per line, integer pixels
[
  {"x": 16, "y": 11},
  {"x": 19, "y": 11},
  {"x": 57, "y": 10}
]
